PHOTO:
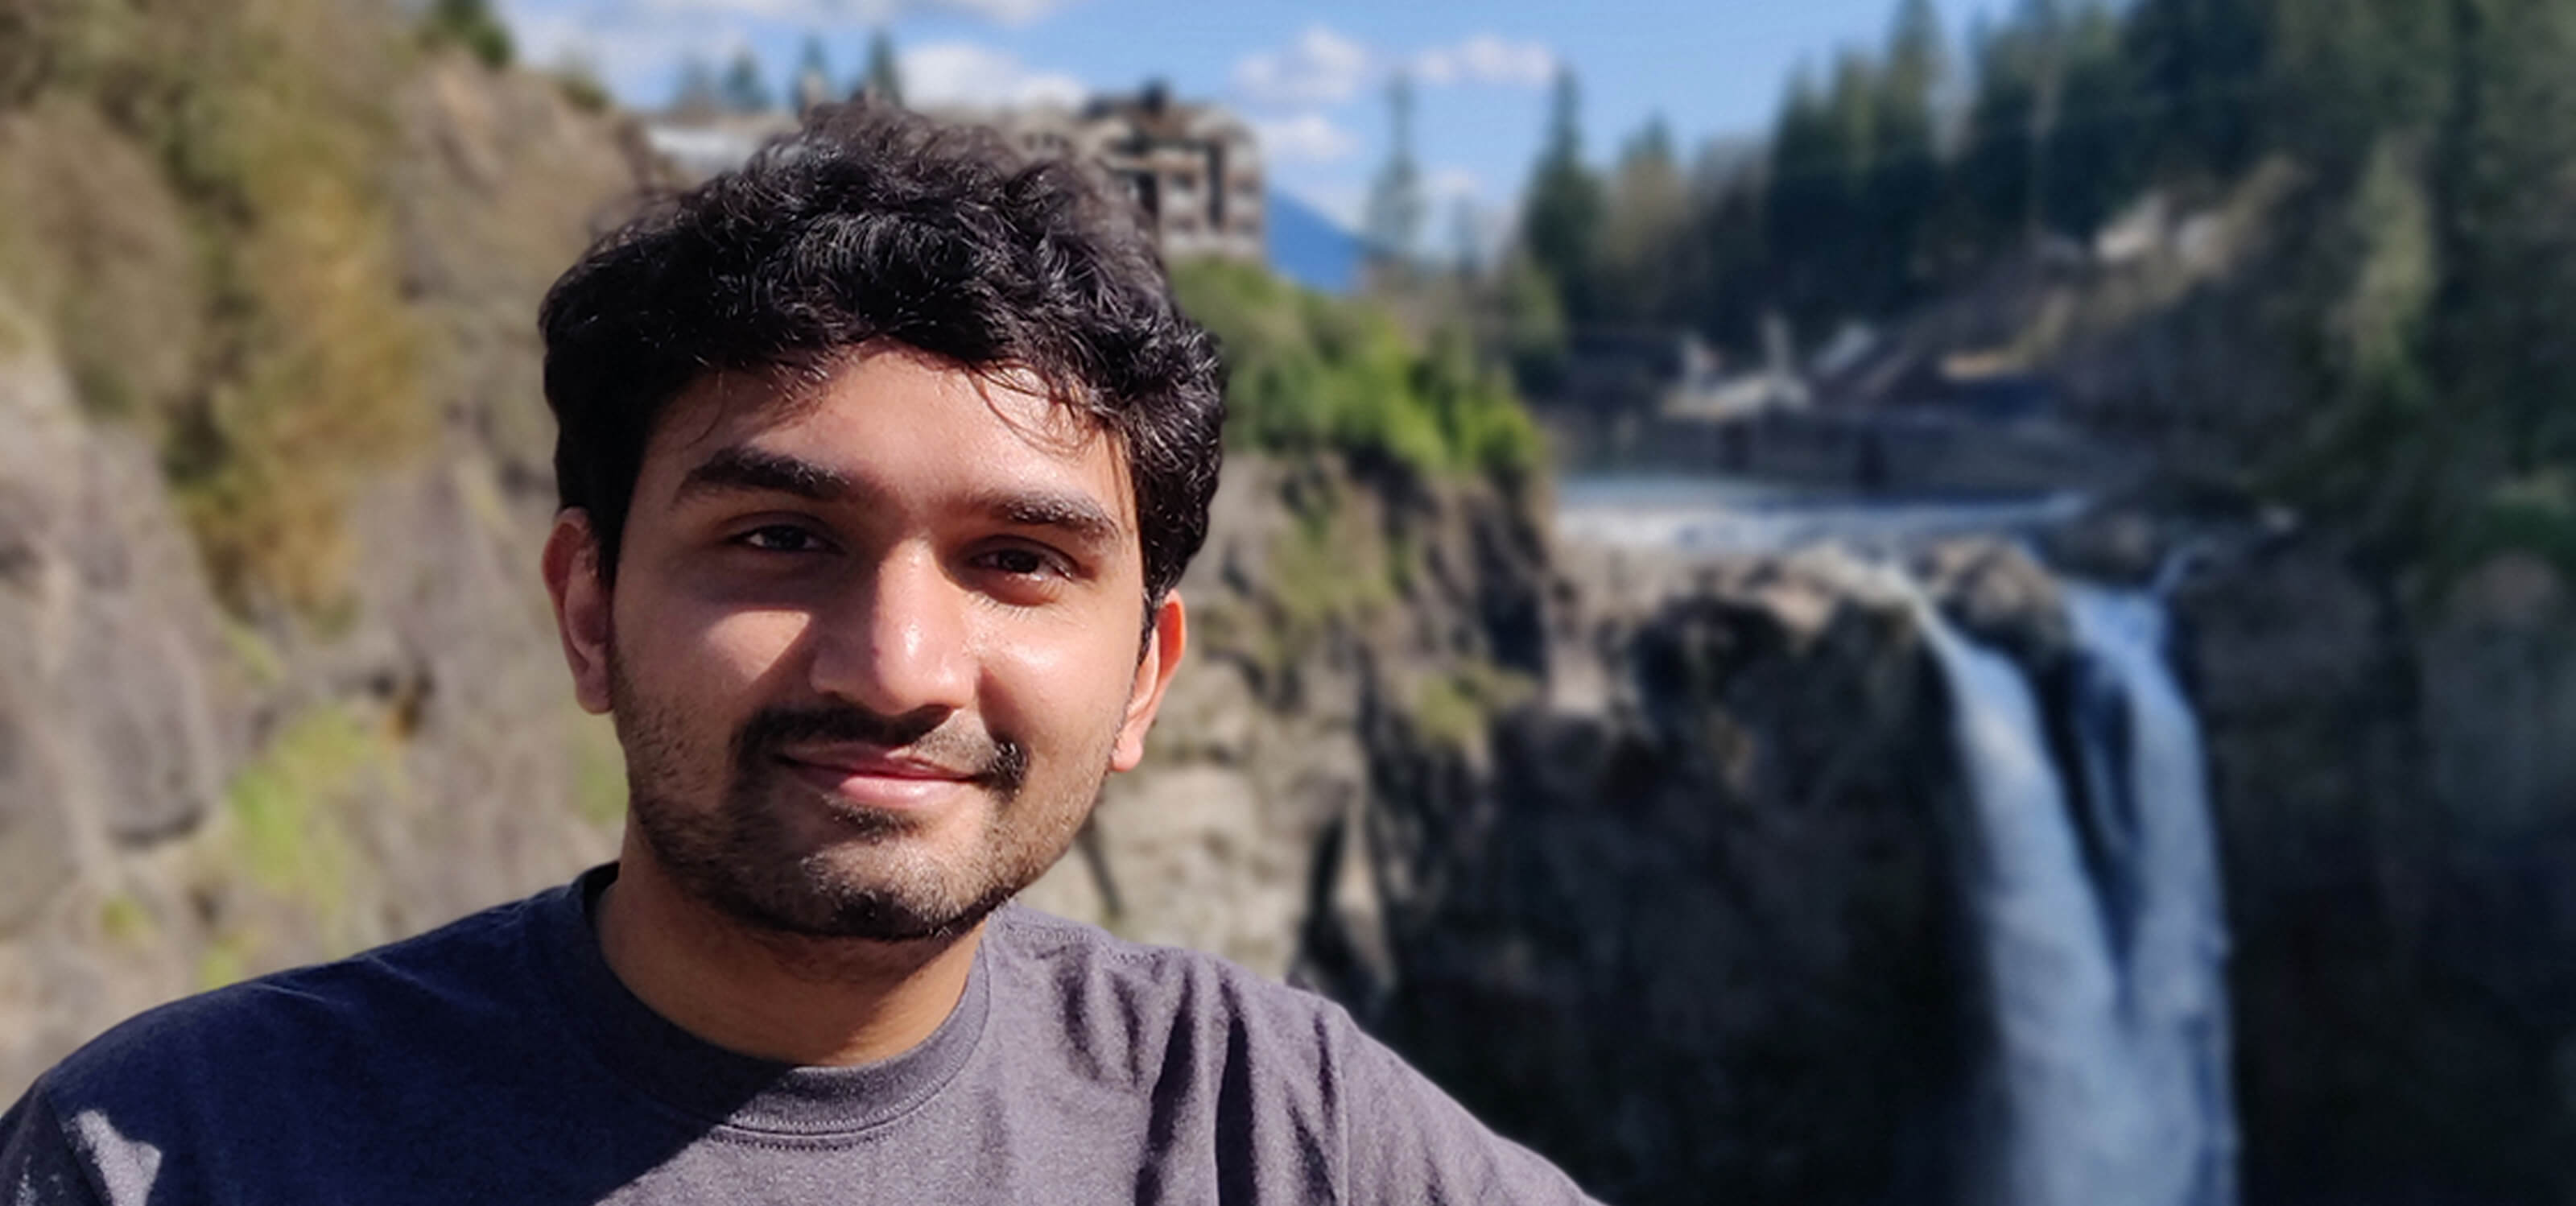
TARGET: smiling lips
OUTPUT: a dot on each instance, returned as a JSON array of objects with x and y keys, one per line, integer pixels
[{"x": 875, "y": 777}]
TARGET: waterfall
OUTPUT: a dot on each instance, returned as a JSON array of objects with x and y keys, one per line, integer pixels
[{"x": 2109, "y": 1086}]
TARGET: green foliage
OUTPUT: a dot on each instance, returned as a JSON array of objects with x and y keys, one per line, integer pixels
[
  {"x": 218, "y": 260},
  {"x": 581, "y": 87},
  {"x": 2364, "y": 458},
  {"x": 1530, "y": 324},
  {"x": 227, "y": 960},
  {"x": 1561, "y": 214},
  {"x": 1314, "y": 373},
  {"x": 124, "y": 921},
  {"x": 884, "y": 78},
  {"x": 1647, "y": 208},
  {"x": 743, "y": 88},
  {"x": 1322, "y": 576},
  {"x": 2427, "y": 261},
  {"x": 470, "y": 25},
  {"x": 1457, "y": 708},
  {"x": 289, "y": 806}
]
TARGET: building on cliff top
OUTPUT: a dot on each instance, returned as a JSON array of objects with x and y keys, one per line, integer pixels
[{"x": 1194, "y": 169}]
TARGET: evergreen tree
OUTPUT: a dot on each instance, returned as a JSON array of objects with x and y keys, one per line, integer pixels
[
  {"x": 743, "y": 89},
  {"x": 2206, "y": 64},
  {"x": 1644, "y": 251},
  {"x": 2094, "y": 151},
  {"x": 2000, "y": 157},
  {"x": 884, "y": 79},
  {"x": 813, "y": 82},
  {"x": 1393, "y": 222},
  {"x": 696, "y": 94},
  {"x": 1810, "y": 215},
  {"x": 2508, "y": 236},
  {"x": 1561, "y": 219},
  {"x": 1903, "y": 190}
]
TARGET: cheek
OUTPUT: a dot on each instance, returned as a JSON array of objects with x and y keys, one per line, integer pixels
[
  {"x": 705, "y": 652},
  {"x": 1063, "y": 689}
]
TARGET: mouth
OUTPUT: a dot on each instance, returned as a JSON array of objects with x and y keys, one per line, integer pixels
[{"x": 877, "y": 779}]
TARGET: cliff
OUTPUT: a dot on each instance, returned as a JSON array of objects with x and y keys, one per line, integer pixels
[{"x": 192, "y": 792}]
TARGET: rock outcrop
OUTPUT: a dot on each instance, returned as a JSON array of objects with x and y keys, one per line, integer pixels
[
  {"x": 2396, "y": 819},
  {"x": 187, "y": 795}
]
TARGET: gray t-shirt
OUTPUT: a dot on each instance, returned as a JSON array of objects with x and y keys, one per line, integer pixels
[{"x": 499, "y": 1060}]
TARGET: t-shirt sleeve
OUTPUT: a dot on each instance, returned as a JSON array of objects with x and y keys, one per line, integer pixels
[
  {"x": 1410, "y": 1144},
  {"x": 37, "y": 1164}
]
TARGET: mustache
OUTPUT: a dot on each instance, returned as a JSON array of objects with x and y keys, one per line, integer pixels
[{"x": 931, "y": 734}]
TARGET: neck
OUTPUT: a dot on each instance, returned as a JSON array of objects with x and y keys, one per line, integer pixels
[{"x": 788, "y": 998}]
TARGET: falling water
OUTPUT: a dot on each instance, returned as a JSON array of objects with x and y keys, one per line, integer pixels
[{"x": 2109, "y": 1080}]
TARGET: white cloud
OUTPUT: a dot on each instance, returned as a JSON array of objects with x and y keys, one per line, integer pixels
[
  {"x": 1487, "y": 59},
  {"x": 971, "y": 75},
  {"x": 1305, "y": 138},
  {"x": 1448, "y": 185},
  {"x": 642, "y": 56},
  {"x": 1320, "y": 68}
]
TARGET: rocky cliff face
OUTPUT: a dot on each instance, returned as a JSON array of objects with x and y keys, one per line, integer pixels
[
  {"x": 188, "y": 796},
  {"x": 2395, "y": 829}
]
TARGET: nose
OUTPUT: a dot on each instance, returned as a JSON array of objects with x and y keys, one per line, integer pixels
[{"x": 895, "y": 644}]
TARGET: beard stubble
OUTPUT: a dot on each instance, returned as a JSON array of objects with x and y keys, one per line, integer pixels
[{"x": 718, "y": 820}]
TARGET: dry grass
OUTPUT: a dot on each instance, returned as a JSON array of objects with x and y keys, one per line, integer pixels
[{"x": 198, "y": 213}]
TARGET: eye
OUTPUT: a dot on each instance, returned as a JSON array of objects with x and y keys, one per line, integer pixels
[
  {"x": 1023, "y": 561},
  {"x": 780, "y": 538}
]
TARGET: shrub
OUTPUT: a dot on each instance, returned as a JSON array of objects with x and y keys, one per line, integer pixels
[{"x": 1316, "y": 373}]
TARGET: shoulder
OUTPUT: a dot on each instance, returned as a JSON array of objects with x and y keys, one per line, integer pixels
[
  {"x": 1269, "y": 1067},
  {"x": 310, "y": 1022},
  {"x": 1158, "y": 1006},
  {"x": 1085, "y": 965}
]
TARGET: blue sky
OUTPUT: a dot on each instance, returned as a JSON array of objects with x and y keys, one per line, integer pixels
[{"x": 1312, "y": 76}]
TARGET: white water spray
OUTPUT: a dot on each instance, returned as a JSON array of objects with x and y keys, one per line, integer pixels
[{"x": 2110, "y": 1084}]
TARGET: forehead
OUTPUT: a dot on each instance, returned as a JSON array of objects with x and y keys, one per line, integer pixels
[{"x": 891, "y": 419}]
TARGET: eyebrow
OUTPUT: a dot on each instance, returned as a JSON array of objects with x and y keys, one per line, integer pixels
[
  {"x": 750, "y": 470},
  {"x": 1075, "y": 515}
]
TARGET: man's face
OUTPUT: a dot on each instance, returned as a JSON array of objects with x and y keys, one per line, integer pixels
[{"x": 872, "y": 646}]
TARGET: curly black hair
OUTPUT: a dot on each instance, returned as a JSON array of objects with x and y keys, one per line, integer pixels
[{"x": 870, "y": 223}]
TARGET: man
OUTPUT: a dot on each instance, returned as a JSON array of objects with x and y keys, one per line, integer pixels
[{"x": 879, "y": 462}]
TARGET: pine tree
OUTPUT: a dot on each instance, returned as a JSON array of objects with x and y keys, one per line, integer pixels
[
  {"x": 743, "y": 89},
  {"x": 2207, "y": 65},
  {"x": 1644, "y": 253},
  {"x": 696, "y": 95},
  {"x": 1903, "y": 190},
  {"x": 813, "y": 82},
  {"x": 2093, "y": 152},
  {"x": 2000, "y": 157},
  {"x": 2506, "y": 179},
  {"x": 884, "y": 79},
  {"x": 1561, "y": 220},
  {"x": 1394, "y": 219}
]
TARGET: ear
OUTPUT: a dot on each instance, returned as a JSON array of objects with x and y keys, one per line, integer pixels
[
  {"x": 581, "y": 606},
  {"x": 1163, "y": 646}
]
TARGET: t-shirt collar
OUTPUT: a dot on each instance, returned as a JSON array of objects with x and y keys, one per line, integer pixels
[{"x": 653, "y": 1055}]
